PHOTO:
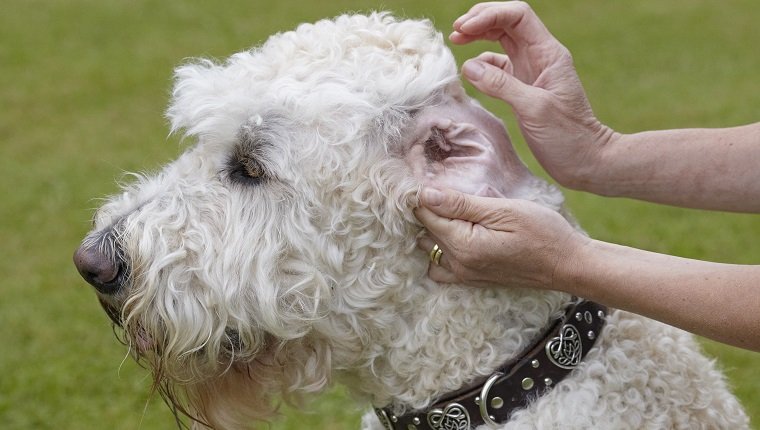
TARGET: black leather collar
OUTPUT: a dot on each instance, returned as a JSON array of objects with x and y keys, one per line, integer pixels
[{"x": 546, "y": 362}]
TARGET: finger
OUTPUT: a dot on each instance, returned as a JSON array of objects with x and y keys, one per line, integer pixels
[
  {"x": 451, "y": 209},
  {"x": 462, "y": 38},
  {"x": 441, "y": 274},
  {"x": 501, "y": 61},
  {"x": 472, "y": 12},
  {"x": 494, "y": 78},
  {"x": 426, "y": 244},
  {"x": 443, "y": 230},
  {"x": 517, "y": 19}
]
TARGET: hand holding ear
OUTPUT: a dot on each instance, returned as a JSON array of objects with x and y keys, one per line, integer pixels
[
  {"x": 538, "y": 79},
  {"x": 510, "y": 242}
]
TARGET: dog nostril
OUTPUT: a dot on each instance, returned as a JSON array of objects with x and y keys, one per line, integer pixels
[{"x": 97, "y": 269}]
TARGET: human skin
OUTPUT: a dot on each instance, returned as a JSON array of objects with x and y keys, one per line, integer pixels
[
  {"x": 687, "y": 168},
  {"x": 521, "y": 244},
  {"x": 517, "y": 243}
]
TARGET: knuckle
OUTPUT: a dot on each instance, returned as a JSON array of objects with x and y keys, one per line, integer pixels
[
  {"x": 564, "y": 55},
  {"x": 465, "y": 254},
  {"x": 523, "y": 11},
  {"x": 497, "y": 80},
  {"x": 523, "y": 6},
  {"x": 459, "y": 203}
]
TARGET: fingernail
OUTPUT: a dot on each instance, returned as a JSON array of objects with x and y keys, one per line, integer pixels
[
  {"x": 431, "y": 196},
  {"x": 473, "y": 70}
]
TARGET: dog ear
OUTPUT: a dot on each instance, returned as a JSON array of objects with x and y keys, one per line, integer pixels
[
  {"x": 209, "y": 99},
  {"x": 192, "y": 95}
]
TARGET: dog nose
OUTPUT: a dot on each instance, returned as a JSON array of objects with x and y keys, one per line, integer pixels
[{"x": 97, "y": 268}]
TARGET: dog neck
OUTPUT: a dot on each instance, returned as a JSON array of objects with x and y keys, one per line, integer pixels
[
  {"x": 427, "y": 340},
  {"x": 537, "y": 369},
  {"x": 420, "y": 340}
]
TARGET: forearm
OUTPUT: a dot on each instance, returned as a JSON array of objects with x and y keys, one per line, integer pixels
[
  {"x": 717, "y": 301},
  {"x": 715, "y": 169}
]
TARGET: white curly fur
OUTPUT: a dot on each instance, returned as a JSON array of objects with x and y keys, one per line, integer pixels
[{"x": 240, "y": 292}]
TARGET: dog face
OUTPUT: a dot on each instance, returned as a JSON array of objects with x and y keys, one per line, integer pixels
[{"x": 251, "y": 264}]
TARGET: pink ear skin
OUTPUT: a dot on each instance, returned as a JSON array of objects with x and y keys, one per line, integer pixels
[{"x": 460, "y": 145}]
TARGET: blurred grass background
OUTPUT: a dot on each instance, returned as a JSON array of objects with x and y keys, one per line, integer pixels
[{"x": 83, "y": 84}]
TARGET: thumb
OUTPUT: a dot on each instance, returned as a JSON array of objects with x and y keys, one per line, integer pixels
[
  {"x": 497, "y": 82},
  {"x": 455, "y": 205}
]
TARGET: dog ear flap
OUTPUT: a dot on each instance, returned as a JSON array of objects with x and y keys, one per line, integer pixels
[
  {"x": 205, "y": 101},
  {"x": 192, "y": 95}
]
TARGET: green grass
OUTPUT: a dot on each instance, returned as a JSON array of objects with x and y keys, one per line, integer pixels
[{"x": 83, "y": 84}]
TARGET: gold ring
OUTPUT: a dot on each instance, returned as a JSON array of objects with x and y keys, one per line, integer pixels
[
  {"x": 435, "y": 254},
  {"x": 433, "y": 251}
]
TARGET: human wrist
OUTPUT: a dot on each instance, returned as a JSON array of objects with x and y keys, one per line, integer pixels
[
  {"x": 573, "y": 257},
  {"x": 593, "y": 173}
]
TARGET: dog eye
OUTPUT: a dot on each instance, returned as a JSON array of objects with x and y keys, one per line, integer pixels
[
  {"x": 246, "y": 169},
  {"x": 233, "y": 343}
]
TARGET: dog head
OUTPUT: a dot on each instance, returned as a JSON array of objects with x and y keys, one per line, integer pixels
[{"x": 252, "y": 264}]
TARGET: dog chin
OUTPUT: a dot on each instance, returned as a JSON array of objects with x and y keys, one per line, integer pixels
[{"x": 460, "y": 145}]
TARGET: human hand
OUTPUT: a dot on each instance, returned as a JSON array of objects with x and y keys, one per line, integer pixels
[
  {"x": 538, "y": 79},
  {"x": 510, "y": 242}
]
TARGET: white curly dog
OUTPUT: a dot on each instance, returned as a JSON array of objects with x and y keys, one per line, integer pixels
[{"x": 277, "y": 256}]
